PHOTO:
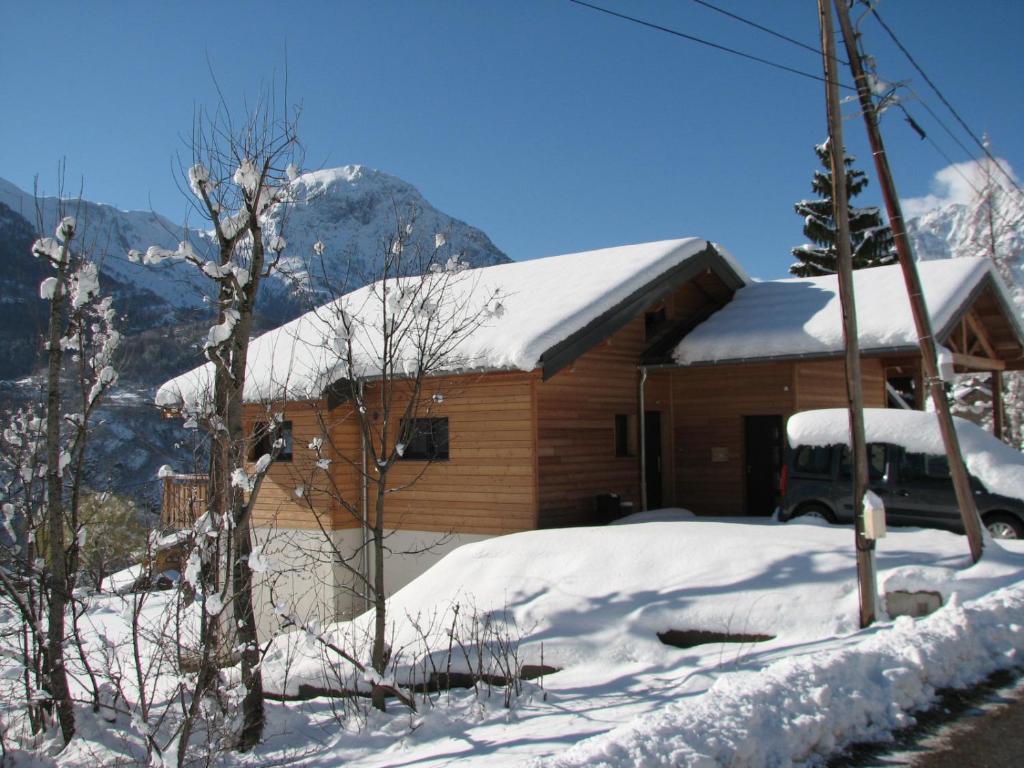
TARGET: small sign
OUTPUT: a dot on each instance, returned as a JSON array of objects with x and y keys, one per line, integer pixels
[{"x": 719, "y": 455}]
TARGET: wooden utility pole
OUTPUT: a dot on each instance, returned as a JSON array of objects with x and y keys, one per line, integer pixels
[
  {"x": 865, "y": 547},
  {"x": 922, "y": 320}
]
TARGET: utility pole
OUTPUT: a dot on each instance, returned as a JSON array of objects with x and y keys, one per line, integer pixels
[
  {"x": 922, "y": 320},
  {"x": 865, "y": 547}
]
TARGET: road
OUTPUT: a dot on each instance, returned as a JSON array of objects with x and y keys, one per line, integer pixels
[{"x": 980, "y": 728}]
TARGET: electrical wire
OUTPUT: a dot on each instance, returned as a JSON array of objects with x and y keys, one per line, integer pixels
[
  {"x": 755, "y": 25},
  {"x": 708, "y": 43},
  {"x": 942, "y": 98}
]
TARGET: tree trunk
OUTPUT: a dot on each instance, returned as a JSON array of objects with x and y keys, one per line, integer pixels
[
  {"x": 378, "y": 658},
  {"x": 57, "y": 678}
]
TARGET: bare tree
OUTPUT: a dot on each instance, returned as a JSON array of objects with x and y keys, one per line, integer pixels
[
  {"x": 238, "y": 172},
  {"x": 39, "y": 571},
  {"x": 389, "y": 339}
]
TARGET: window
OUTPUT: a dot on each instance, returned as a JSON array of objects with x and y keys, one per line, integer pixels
[
  {"x": 922, "y": 468},
  {"x": 876, "y": 463},
  {"x": 813, "y": 460},
  {"x": 625, "y": 435},
  {"x": 654, "y": 322},
  {"x": 425, "y": 439},
  {"x": 264, "y": 437}
]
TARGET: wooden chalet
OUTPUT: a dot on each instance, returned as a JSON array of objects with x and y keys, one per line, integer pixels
[{"x": 662, "y": 380}]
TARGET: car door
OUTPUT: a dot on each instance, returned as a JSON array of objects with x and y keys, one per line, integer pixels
[
  {"x": 922, "y": 491},
  {"x": 877, "y": 477}
]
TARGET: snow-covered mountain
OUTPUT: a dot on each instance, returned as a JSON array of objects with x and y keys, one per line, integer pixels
[
  {"x": 164, "y": 316},
  {"x": 348, "y": 209},
  {"x": 959, "y": 229}
]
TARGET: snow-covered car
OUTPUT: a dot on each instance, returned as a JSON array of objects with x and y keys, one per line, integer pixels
[{"x": 907, "y": 469}]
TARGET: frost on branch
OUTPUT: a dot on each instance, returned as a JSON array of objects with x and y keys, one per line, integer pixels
[
  {"x": 47, "y": 288},
  {"x": 47, "y": 248},
  {"x": 247, "y": 177},
  {"x": 66, "y": 229},
  {"x": 222, "y": 331},
  {"x": 198, "y": 178}
]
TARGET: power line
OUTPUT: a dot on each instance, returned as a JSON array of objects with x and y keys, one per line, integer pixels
[
  {"x": 755, "y": 25},
  {"x": 943, "y": 99},
  {"x": 708, "y": 43}
]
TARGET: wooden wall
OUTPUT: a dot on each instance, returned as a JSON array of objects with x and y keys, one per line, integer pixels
[
  {"x": 488, "y": 485},
  {"x": 822, "y": 384},
  {"x": 576, "y": 411},
  {"x": 277, "y": 504},
  {"x": 709, "y": 404}
]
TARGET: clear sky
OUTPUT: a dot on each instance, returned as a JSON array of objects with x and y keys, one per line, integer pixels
[{"x": 550, "y": 126}]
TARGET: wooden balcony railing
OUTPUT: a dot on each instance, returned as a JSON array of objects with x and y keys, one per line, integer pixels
[{"x": 184, "y": 500}]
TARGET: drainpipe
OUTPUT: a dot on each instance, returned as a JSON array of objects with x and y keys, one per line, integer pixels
[
  {"x": 643, "y": 441},
  {"x": 364, "y": 502}
]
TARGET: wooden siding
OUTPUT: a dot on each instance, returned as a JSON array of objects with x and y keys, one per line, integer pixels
[
  {"x": 709, "y": 404},
  {"x": 822, "y": 384},
  {"x": 488, "y": 484},
  {"x": 277, "y": 504},
  {"x": 576, "y": 411}
]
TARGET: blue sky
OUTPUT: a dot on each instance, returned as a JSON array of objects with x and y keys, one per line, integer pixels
[{"x": 551, "y": 127}]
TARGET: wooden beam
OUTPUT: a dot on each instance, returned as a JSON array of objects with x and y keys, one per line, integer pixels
[
  {"x": 997, "y": 404},
  {"x": 979, "y": 330},
  {"x": 975, "y": 363}
]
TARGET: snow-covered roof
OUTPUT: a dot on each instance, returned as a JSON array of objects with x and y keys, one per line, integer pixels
[
  {"x": 543, "y": 302},
  {"x": 801, "y": 316},
  {"x": 998, "y": 466}
]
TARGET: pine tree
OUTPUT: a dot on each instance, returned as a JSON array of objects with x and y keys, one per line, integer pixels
[{"x": 870, "y": 238}]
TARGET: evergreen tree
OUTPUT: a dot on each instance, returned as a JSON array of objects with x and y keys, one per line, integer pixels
[{"x": 870, "y": 238}]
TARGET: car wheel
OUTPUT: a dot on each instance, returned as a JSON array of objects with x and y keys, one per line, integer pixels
[
  {"x": 817, "y": 511},
  {"x": 1003, "y": 526}
]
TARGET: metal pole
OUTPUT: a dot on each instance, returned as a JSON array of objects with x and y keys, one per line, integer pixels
[
  {"x": 922, "y": 320},
  {"x": 865, "y": 547}
]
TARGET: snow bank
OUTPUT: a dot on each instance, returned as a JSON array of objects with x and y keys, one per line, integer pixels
[
  {"x": 543, "y": 301},
  {"x": 801, "y": 709},
  {"x": 998, "y": 466},
  {"x": 802, "y": 316}
]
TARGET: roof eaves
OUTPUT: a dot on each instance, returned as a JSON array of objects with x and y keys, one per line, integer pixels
[{"x": 600, "y": 328}]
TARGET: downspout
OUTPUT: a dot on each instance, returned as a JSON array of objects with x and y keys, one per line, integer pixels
[
  {"x": 364, "y": 502},
  {"x": 643, "y": 441}
]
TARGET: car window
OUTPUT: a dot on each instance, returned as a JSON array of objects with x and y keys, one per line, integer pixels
[
  {"x": 923, "y": 468},
  {"x": 812, "y": 460},
  {"x": 876, "y": 463}
]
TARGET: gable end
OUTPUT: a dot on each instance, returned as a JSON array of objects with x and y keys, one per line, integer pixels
[{"x": 600, "y": 328}]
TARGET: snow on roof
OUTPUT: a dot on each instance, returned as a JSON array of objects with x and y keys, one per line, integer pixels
[
  {"x": 998, "y": 466},
  {"x": 544, "y": 301},
  {"x": 801, "y": 316}
]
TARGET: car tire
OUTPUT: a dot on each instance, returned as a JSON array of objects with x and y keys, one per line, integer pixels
[
  {"x": 1003, "y": 526},
  {"x": 819, "y": 511}
]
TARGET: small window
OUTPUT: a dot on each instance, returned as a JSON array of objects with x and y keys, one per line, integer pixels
[
  {"x": 625, "y": 435},
  {"x": 876, "y": 463},
  {"x": 922, "y": 468},
  {"x": 654, "y": 322},
  {"x": 264, "y": 438},
  {"x": 425, "y": 439},
  {"x": 812, "y": 460}
]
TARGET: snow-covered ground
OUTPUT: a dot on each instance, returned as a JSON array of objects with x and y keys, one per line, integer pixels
[{"x": 591, "y": 601}]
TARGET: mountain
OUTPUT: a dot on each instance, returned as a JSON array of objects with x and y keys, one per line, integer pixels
[
  {"x": 959, "y": 229},
  {"x": 164, "y": 312}
]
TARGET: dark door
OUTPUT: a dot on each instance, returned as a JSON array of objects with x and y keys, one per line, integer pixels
[
  {"x": 652, "y": 452},
  {"x": 763, "y": 448}
]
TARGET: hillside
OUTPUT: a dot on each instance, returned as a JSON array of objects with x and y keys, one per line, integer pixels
[{"x": 164, "y": 311}]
